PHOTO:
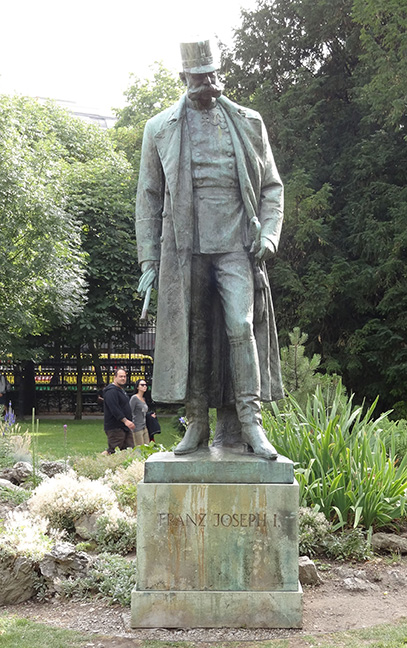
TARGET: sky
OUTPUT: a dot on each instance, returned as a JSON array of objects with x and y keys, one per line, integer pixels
[{"x": 83, "y": 51}]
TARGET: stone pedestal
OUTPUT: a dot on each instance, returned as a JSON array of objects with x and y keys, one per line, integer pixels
[{"x": 213, "y": 551}]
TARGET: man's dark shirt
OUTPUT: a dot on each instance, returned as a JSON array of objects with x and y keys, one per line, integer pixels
[{"x": 116, "y": 406}]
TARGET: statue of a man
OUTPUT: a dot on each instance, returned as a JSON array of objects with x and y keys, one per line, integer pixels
[{"x": 209, "y": 214}]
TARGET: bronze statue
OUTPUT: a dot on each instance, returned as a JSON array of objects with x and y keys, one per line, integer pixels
[{"x": 208, "y": 215}]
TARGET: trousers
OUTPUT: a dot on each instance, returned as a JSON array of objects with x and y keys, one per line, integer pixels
[{"x": 231, "y": 276}]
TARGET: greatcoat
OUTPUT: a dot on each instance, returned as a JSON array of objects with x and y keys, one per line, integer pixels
[{"x": 164, "y": 228}]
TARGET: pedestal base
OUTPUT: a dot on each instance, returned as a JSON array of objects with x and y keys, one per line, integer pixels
[
  {"x": 216, "y": 550},
  {"x": 189, "y": 609}
]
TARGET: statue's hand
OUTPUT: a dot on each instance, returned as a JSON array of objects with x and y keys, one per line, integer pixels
[
  {"x": 149, "y": 276},
  {"x": 265, "y": 249}
]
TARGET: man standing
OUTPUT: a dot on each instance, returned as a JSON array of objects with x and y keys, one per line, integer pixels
[
  {"x": 117, "y": 414},
  {"x": 208, "y": 215}
]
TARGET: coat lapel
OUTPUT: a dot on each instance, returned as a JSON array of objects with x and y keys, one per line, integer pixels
[{"x": 173, "y": 146}]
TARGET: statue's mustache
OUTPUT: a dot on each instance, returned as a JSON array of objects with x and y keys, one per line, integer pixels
[{"x": 213, "y": 90}]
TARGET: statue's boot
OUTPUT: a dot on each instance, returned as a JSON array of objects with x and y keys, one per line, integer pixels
[
  {"x": 228, "y": 431},
  {"x": 246, "y": 385},
  {"x": 255, "y": 436},
  {"x": 197, "y": 434}
]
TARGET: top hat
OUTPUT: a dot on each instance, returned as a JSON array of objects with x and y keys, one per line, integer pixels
[{"x": 197, "y": 57}]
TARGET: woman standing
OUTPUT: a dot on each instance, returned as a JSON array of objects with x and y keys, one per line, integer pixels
[{"x": 139, "y": 409}]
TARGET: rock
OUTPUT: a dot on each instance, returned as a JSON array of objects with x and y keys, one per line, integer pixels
[
  {"x": 395, "y": 579},
  {"x": 355, "y": 584},
  {"x": 7, "y": 474},
  {"x": 389, "y": 542},
  {"x": 17, "y": 578},
  {"x": 308, "y": 572},
  {"x": 63, "y": 562},
  {"x": 85, "y": 526},
  {"x": 19, "y": 473},
  {"x": 6, "y": 483},
  {"x": 52, "y": 468}
]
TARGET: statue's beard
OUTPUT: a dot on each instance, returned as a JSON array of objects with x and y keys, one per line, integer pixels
[{"x": 205, "y": 92}]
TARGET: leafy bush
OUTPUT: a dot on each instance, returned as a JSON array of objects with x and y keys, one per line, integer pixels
[
  {"x": 116, "y": 533},
  {"x": 15, "y": 497},
  {"x": 341, "y": 462},
  {"x": 14, "y": 445},
  {"x": 96, "y": 467},
  {"x": 317, "y": 537},
  {"x": 395, "y": 432},
  {"x": 124, "y": 483},
  {"x": 111, "y": 577},
  {"x": 6, "y": 458},
  {"x": 67, "y": 497},
  {"x": 351, "y": 544},
  {"x": 313, "y": 530},
  {"x": 126, "y": 495}
]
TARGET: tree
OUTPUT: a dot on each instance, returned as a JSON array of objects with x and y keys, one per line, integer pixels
[
  {"x": 301, "y": 378},
  {"x": 384, "y": 38},
  {"x": 41, "y": 262},
  {"x": 101, "y": 195},
  {"x": 145, "y": 98},
  {"x": 319, "y": 74}
]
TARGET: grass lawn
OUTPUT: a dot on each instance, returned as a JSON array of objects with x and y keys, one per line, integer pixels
[
  {"x": 21, "y": 633},
  {"x": 83, "y": 437}
]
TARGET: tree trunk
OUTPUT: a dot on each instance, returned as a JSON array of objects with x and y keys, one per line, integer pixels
[
  {"x": 79, "y": 407},
  {"x": 28, "y": 384},
  {"x": 96, "y": 363}
]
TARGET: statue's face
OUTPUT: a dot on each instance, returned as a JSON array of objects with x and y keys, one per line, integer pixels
[{"x": 203, "y": 87}]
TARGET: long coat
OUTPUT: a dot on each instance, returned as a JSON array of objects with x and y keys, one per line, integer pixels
[{"x": 164, "y": 227}]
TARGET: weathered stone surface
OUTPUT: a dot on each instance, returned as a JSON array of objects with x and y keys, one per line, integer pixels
[
  {"x": 17, "y": 578},
  {"x": 308, "y": 572},
  {"x": 52, "y": 468},
  {"x": 216, "y": 609},
  {"x": 389, "y": 542},
  {"x": 218, "y": 537},
  {"x": 8, "y": 484},
  {"x": 226, "y": 555},
  {"x": 217, "y": 465},
  {"x": 63, "y": 562},
  {"x": 19, "y": 473},
  {"x": 396, "y": 579},
  {"x": 355, "y": 584},
  {"x": 86, "y": 525}
]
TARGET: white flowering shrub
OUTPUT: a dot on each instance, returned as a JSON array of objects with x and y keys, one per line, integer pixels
[
  {"x": 67, "y": 497},
  {"x": 124, "y": 483},
  {"x": 131, "y": 474},
  {"x": 24, "y": 535}
]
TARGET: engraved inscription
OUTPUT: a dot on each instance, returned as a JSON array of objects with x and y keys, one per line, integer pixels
[
  {"x": 240, "y": 519},
  {"x": 225, "y": 520}
]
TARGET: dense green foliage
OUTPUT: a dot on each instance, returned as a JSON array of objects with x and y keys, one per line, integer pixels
[
  {"x": 111, "y": 577},
  {"x": 145, "y": 98},
  {"x": 41, "y": 262},
  {"x": 102, "y": 196},
  {"x": 343, "y": 465},
  {"x": 330, "y": 80},
  {"x": 300, "y": 374},
  {"x": 68, "y": 264}
]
